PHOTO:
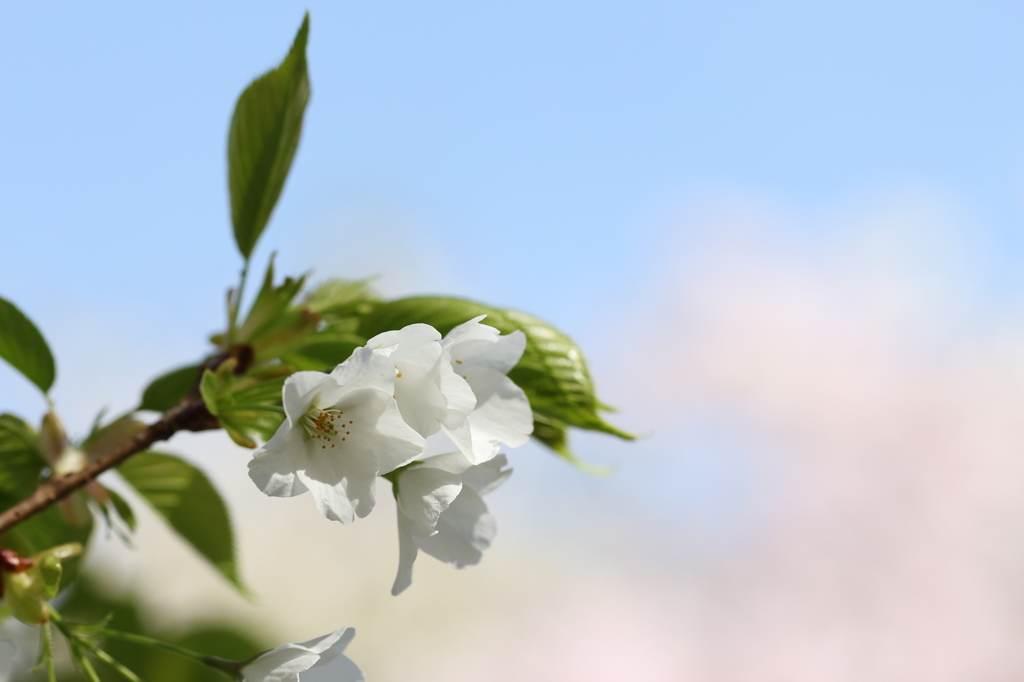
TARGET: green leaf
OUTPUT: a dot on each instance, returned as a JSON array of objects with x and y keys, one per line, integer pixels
[
  {"x": 273, "y": 324},
  {"x": 262, "y": 141},
  {"x": 105, "y": 439},
  {"x": 124, "y": 511},
  {"x": 167, "y": 390},
  {"x": 248, "y": 407},
  {"x": 552, "y": 371},
  {"x": 186, "y": 499},
  {"x": 338, "y": 298},
  {"x": 21, "y": 470},
  {"x": 21, "y": 460},
  {"x": 554, "y": 435},
  {"x": 24, "y": 347},
  {"x": 323, "y": 353}
]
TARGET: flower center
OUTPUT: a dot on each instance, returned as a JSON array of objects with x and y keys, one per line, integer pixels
[{"x": 326, "y": 426}]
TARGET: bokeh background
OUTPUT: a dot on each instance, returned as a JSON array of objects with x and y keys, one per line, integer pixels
[{"x": 788, "y": 235}]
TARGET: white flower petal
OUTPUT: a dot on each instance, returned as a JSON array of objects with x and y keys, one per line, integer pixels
[
  {"x": 472, "y": 344},
  {"x": 273, "y": 467},
  {"x": 395, "y": 442},
  {"x": 282, "y": 664},
  {"x": 502, "y": 411},
  {"x": 464, "y": 531},
  {"x": 407, "y": 552},
  {"x": 459, "y": 396},
  {"x": 335, "y": 642},
  {"x": 485, "y": 478},
  {"x": 366, "y": 368},
  {"x": 455, "y": 531},
  {"x": 318, "y": 660},
  {"x": 423, "y": 493},
  {"x": 302, "y": 388},
  {"x": 419, "y": 396},
  {"x": 462, "y": 437},
  {"x": 341, "y": 669},
  {"x": 411, "y": 334},
  {"x": 343, "y": 488}
]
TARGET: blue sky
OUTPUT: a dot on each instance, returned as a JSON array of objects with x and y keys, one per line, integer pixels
[{"x": 531, "y": 139}]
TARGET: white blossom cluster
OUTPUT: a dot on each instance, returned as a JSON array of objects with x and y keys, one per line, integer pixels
[{"x": 371, "y": 416}]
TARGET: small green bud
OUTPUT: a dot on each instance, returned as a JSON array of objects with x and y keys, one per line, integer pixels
[
  {"x": 23, "y": 596},
  {"x": 50, "y": 571},
  {"x": 29, "y": 583}
]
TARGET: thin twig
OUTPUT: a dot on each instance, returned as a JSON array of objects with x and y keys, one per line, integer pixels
[{"x": 188, "y": 415}]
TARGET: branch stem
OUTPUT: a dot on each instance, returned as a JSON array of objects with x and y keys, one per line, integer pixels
[
  {"x": 215, "y": 662},
  {"x": 188, "y": 415}
]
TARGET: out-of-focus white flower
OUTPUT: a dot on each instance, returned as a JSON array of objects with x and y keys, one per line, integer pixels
[
  {"x": 428, "y": 392},
  {"x": 318, "y": 660},
  {"x": 483, "y": 357},
  {"x": 441, "y": 511},
  {"x": 341, "y": 430}
]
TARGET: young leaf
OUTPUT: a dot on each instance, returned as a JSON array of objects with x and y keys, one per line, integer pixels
[
  {"x": 552, "y": 371},
  {"x": 273, "y": 325},
  {"x": 167, "y": 390},
  {"x": 249, "y": 406},
  {"x": 24, "y": 347},
  {"x": 187, "y": 500},
  {"x": 262, "y": 141}
]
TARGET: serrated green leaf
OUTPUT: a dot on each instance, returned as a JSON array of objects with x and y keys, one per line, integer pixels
[
  {"x": 186, "y": 499},
  {"x": 264, "y": 135},
  {"x": 552, "y": 372},
  {"x": 24, "y": 347},
  {"x": 169, "y": 389}
]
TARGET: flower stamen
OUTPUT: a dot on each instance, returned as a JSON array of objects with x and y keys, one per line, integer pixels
[{"x": 319, "y": 425}]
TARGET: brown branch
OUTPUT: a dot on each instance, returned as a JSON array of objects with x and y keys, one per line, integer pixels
[{"x": 189, "y": 415}]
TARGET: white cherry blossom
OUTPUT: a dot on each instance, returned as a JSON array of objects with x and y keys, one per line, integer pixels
[
  {"x": 341, "y": 430},
  {"x": 483, "y": 357},
  {"x": 429, "y": 393},
  {"x": 318, "y": 660},
  {"x": 441, "y": 511}
]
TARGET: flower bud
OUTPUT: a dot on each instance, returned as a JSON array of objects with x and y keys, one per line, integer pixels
[
  {"x": 24, "y": 598},
  {"x": 29, "y": 583},
  {"x": 53, "y": 439}
]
